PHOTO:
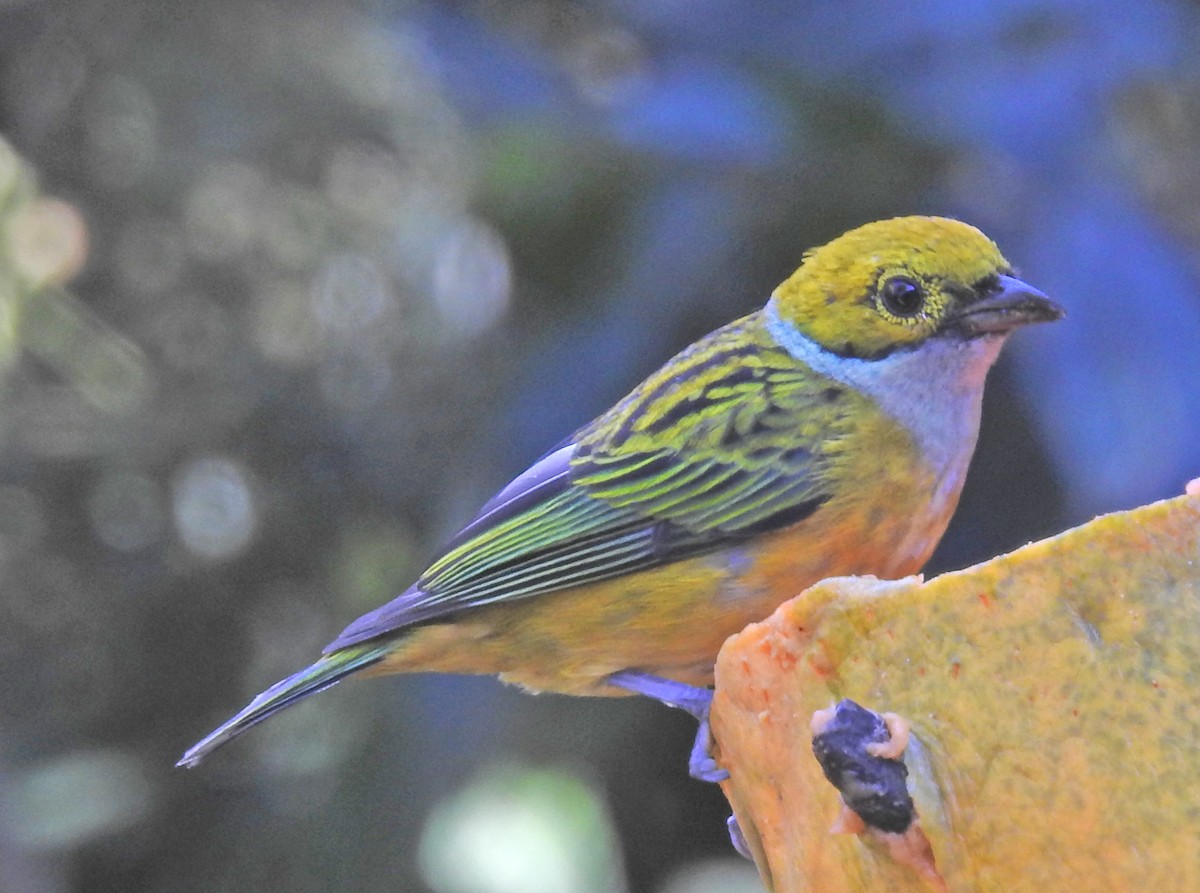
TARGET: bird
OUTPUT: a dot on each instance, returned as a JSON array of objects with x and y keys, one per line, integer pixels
[{"x": 827, "y": 433}]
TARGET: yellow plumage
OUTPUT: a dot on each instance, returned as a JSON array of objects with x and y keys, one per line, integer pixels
[{"x": 826, "y": 434}]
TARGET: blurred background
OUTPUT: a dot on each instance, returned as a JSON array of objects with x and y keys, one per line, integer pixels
[{"x": 289, "y": 287}]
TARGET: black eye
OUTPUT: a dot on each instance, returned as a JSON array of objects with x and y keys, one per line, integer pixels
[{"x": 901, "y": 296}]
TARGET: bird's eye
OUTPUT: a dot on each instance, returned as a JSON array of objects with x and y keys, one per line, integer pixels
[{"x": 901, "y": 296}]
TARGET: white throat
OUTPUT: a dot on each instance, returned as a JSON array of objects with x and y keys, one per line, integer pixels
[{"x": 934, "y": 391}]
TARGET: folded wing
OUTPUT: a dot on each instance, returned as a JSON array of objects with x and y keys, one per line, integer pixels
[{"x": 721, "y": 449}]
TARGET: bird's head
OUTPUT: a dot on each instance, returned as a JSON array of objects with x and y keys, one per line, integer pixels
[{"x": 895, "y": 284}]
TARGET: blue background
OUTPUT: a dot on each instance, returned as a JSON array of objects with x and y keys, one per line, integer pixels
[{"x": 351, "y": 266}]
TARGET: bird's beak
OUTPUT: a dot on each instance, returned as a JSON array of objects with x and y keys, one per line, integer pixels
[{"x": 1001, "y": 310}]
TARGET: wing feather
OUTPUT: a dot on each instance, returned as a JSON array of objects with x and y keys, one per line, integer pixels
[{"x": 710, "y": 450}]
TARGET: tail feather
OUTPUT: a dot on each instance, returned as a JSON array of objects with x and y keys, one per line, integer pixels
[{"x": 327, "y": 671}]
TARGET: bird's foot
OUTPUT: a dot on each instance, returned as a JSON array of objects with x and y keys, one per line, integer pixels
[
  {"x": 738, "y": 839},
  {"x": 694, "y": 700}
]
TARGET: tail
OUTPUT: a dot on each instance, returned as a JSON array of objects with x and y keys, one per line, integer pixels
[{"x": 327, "y": 671}]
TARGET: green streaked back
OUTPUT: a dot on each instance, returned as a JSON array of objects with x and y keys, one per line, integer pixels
[{"x": 726, "y": 441}]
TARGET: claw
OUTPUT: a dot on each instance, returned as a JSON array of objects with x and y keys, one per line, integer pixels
[
  {"x": 701, "y": 765},
  {"x": 737, "y": 838}
]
